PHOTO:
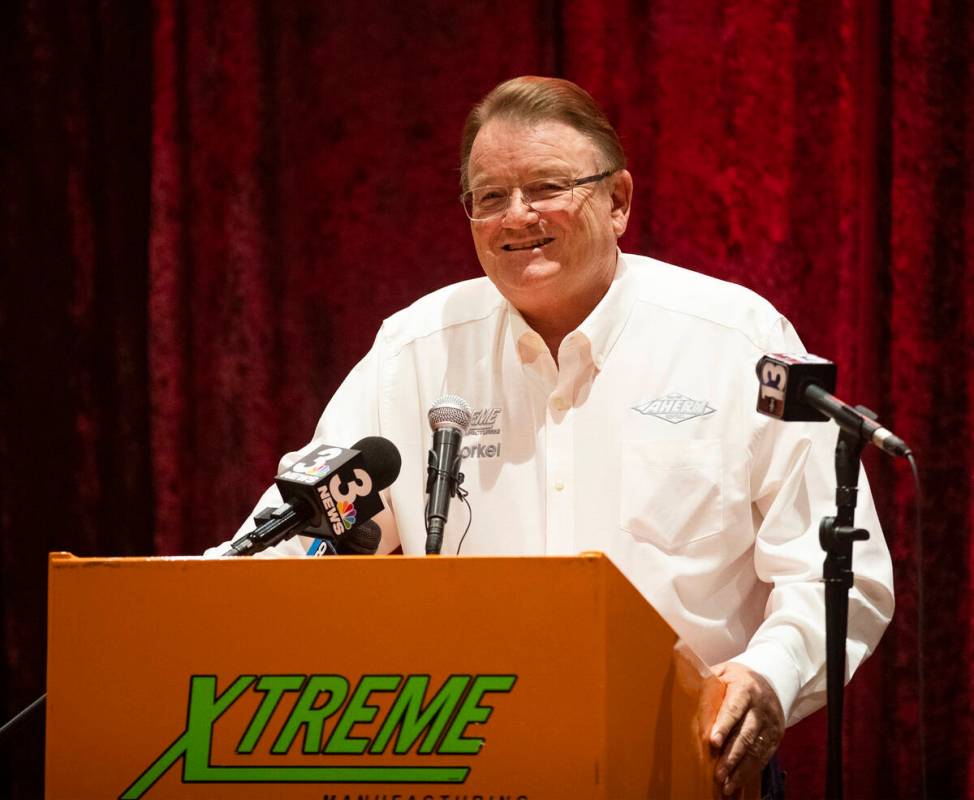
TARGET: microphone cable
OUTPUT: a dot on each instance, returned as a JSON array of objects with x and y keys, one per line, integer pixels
[
  {"x": 462, "y": 494},
  {"x": 11, "y": 723}
]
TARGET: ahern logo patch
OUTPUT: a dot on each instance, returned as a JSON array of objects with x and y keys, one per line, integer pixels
[
  {"x": 390, "y": 714},
  {"x": 674, "y": 407}
]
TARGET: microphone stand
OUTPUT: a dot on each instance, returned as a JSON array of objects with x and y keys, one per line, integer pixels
[{"x": 836, "y": 535}]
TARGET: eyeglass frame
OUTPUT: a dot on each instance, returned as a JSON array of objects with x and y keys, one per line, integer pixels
[{"x": 572, "y": 183}]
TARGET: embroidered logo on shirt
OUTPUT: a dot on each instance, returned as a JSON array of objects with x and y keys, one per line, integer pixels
[
  {"x": 675, "y": 408},
  {"x": 482, "y": 422},
  {"x": 481, "y": 451}
]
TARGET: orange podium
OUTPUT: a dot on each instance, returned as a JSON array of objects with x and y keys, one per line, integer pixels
[{"x": 381, "y": 678}]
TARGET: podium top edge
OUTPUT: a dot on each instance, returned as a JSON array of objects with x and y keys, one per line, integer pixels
[{"x": 66, "y": 558}]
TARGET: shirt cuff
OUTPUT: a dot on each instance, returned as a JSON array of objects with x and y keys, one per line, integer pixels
[{"x": 773, "y": 664}]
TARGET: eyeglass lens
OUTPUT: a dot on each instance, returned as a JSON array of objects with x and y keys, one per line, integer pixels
[{"x": 545, "y": 194}]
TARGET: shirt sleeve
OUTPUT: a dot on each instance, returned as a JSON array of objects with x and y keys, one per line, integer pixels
[
  {"x": 793, "y": 487},
  {"x": 352, "y": 413}
]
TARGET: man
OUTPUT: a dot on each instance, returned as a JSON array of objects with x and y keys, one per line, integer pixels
[{"x": 614, "y": 405}]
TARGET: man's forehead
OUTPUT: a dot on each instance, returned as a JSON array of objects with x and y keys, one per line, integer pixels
[{"x": 505, "y": 149}]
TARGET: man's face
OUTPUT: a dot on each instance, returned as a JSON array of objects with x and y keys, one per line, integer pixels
[{"x": 556, "y": 261}]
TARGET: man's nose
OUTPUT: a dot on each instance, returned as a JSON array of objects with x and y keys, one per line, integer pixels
[{"x": 519, "y": 213}]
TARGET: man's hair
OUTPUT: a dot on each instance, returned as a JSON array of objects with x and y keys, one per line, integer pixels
[{"x": 531, "y": 99}]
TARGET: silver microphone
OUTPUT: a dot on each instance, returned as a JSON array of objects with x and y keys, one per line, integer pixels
[{"x": 449, "y": 418}]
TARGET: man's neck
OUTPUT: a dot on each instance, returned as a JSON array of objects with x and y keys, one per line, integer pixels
[
  {"x": 553, "y": 323},
  {"x": 554, "y": 329},
  {"x": 553, "y": 332}
]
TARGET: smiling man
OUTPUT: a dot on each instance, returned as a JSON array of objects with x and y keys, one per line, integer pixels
[
  {"x": 548, "y": 244},
  {"x": 619, "y": 394}
]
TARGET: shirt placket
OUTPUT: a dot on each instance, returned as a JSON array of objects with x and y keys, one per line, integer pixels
[{"x": 560, "y": 486}]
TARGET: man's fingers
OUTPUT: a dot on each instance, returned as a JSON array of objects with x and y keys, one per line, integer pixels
[
  {"x": 736, "y": 702},
  {"x": 748, "y": 727},
  {"x": 745, "y": 751}
]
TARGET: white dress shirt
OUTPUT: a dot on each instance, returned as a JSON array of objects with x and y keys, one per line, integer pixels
[{"x": 642, "y": 442}]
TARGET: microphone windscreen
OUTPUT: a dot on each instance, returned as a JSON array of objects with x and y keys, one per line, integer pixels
[
  {"x": 362, "y": 540},
  {"x": 450, "y": 411},
  {"x": 381, "y": 458}
]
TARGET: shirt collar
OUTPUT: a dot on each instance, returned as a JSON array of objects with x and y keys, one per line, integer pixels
[{"x": 601, "y": 328}]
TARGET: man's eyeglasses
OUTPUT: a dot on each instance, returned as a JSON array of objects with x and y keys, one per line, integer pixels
[{"x": 545, "y": 194}]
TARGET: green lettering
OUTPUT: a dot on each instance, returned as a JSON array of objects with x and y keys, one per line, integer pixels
[
  {"x": 408, "y": 715},
  {"x": 205, "y": 708},
  {"x": 306, "y": 713},
  {"x": 358, "y": 711},
  {"x": 417, "y": 727},
  {"x": 273, "y": 687},
  {"x": 471, "y": 711}
]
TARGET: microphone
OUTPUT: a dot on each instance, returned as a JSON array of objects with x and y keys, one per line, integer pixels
[
  {"x": 797, "y": 387},
  {"x": 330, "y": 486},
  {"x": 362, "y": 540},
  {"x": 449, "y": 418}
]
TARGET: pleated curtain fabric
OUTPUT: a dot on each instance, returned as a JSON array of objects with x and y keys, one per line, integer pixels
[{"x": 208, "y": 208}]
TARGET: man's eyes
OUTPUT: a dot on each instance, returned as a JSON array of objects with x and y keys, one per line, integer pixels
[
  {"x": 495, "y": 195},
  {"x": 546, "y": 186}
]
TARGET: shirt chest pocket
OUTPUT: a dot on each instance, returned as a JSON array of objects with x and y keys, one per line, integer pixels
[{"x": 671, "y": 491}]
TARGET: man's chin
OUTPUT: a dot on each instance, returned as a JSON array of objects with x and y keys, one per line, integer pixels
[
  {"x": 530, "y": 289},
  {"x": 530, "y": 269}
]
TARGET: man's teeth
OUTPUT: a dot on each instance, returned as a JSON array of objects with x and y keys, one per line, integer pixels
[{"x": 527, "y": 245}]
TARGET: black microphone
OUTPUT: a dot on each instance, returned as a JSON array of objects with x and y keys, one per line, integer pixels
[
  {"x": 361, "y": 540},
  {"x": 331, "y": 487},
  {"x": 449, "y": 418},
  {"x": 797, "y": 387}
]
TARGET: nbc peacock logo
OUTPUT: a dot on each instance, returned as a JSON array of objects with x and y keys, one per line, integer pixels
[{"x": 347, "y": 512}]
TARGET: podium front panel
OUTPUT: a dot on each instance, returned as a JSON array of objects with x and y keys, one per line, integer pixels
[{"x": 373, "y": 678}]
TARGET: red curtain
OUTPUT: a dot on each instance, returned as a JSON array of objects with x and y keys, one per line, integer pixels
[
  {"x": 209, "y": 208},
  {"x": 75, "y": 463}
]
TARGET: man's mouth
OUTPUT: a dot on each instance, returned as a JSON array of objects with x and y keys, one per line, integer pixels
[{"x": 510, "y": 248}]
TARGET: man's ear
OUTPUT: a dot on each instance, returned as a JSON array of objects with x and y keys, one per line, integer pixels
[{"x": 620, "y": 190}]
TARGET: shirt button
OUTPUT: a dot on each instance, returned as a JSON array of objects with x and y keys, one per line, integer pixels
[{"x": 559, "y": 486}]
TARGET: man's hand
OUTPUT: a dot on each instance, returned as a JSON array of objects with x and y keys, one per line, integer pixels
[{"x": 748, "y": 728}]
